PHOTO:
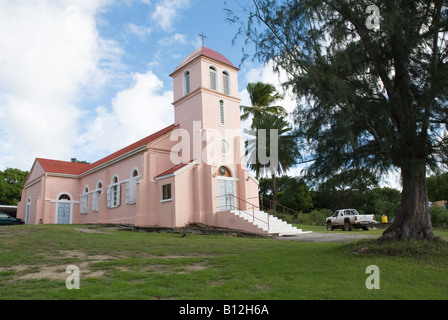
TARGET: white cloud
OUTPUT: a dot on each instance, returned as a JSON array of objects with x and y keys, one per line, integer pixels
[
  {"x": 140, "y": 31},
  {"x": 175, "y": 39},
  {"x": 266, "y": 74},
  {"x": 167, "y": 11},
  {"x": 50, "y": 53},
  {"x": 137, "y": 112}
]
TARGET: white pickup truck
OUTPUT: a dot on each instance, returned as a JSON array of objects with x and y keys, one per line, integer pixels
[{"x": 348, "y": 218}]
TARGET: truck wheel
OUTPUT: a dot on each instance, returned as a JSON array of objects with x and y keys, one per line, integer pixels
[
  {"x": 329, "y": 226},
  {"x": 347, "y": 226}
]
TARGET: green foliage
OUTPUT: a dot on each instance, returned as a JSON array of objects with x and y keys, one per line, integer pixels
[
  {"x": 279, "y": 136},
  {"x": 11, "y": 185},
  {"x": 316, "y": 217},
  {"x": 374, "y": 98},
  {"x": 437, "y": 187},
  {"x": 377, "y": 201},
  {"x": 78, "y": 161},
  {"x": 292, "y": 192},
  {"x": 439, "y": 217},
  {"x": 262, "y": 97}
]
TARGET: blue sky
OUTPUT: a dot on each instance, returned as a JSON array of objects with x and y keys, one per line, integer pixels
[{"x": 84, "y": 78}]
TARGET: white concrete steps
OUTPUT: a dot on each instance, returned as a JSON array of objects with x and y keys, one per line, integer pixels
[{"x": 276, "y": 225}]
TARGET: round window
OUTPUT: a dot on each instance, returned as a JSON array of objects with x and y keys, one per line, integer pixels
[{"x": 222, "y": 171}]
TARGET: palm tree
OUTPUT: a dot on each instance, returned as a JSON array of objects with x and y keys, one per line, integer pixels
[
  {"x": 280, "y": 136},
  {"x": 262, "y": 96}
]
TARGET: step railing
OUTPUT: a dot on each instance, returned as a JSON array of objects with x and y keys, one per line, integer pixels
[
  {"x": 230, "y": 201},
  {"x": 284, "y": 209}
]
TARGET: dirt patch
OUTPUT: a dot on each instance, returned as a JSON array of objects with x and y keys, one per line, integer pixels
[
  {"x": 92, "y": 231},
  {"x": 327, "y": 237},
  {"x": 177, "y": 269},
  {"x": 53, "y": 270},
  {"x": 264, "y": 287}
]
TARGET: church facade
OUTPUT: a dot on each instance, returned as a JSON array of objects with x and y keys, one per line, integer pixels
[{"x": 191, "y": 171}]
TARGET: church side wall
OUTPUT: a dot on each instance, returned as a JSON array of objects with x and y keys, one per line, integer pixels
[
  {"x": 34, "y": 192},
  {"x": 184, "y": 196},
  {"x": 54, "y": 187},
  {"x": 125, "y": 213}
]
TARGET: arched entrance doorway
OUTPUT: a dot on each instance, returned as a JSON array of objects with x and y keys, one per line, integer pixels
[
  {"x": 64, "y": 209},
  {"x": 226, "y": 189}
]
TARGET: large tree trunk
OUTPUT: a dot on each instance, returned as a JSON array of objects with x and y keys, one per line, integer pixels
[{"x": 413, "y": 220}]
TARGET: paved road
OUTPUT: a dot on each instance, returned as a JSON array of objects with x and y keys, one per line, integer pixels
[{"x": 327, "y": 237}]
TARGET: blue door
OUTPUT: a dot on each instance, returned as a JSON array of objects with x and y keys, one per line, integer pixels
[
  {"x": 226, "y": 195},
  {"x": 64, "y": 213}
]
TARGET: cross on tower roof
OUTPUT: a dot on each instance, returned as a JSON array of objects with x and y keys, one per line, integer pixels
[{"x": 203, "y": 36}]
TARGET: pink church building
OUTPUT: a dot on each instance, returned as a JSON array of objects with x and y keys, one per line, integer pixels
[{"x": 192, "y": 171}]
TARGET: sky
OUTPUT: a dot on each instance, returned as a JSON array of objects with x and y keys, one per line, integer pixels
[{"x": 85, "y": 78}]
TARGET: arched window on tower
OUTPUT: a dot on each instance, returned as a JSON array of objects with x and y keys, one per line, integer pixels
[
  {"x": 187, "y": 82},
  {"x": 226, "y": 82},
  {"x": 213, "y": 78}
]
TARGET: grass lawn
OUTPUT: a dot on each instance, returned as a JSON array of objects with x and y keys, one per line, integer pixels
[{"x": 129, "y": 265}]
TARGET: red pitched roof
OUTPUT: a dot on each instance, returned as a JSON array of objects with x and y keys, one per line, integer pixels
[
  {"x": 133, "y": 146},
  {"x": 207, "y": 52},
  {"x": 64, "y": 167},
  {"x": 173, "y": 169}
]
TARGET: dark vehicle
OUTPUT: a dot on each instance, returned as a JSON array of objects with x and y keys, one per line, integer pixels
[{"x": 6, "y": 219}]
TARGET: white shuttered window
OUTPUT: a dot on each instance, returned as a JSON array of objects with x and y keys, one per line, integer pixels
[
  {"x": 222, "y": 113},
  {"x": 84, "y": 203},
  {"x": 213, "y": 80},
  {"x": 113, "y": 194},
  {"x": 226, "y": 82},
  {"x": 131, "y": 190}
]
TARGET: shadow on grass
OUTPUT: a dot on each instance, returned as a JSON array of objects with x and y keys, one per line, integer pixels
[{"x": 416, "y": 249}]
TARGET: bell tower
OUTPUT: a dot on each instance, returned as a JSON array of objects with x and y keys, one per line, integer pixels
[
  {"x": 206, "y": 103},
  {"x": 207, "y": 112}
]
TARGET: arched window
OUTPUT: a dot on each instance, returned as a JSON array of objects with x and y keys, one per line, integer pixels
[
  {"x": 226, "y": 82},
  {"x": 99, "y": 187},
  {"x": 28, "y": 210},
  {"x": 131, "y": 187},
  {"x": 84, "y": 201},
  {"x": 96, "y": 196},
  {"x": 222, "y": 113},
  {"x": 224, "y": 172},
  {"x": 64, "y": 197},
  {"x": 186, "y": 82},
  {"x": 213, "y": 78},
  {"x": 113, "y": 193}
]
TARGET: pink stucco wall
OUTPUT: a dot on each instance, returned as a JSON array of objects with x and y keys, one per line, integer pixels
[{"x": 194, "y": 188}]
